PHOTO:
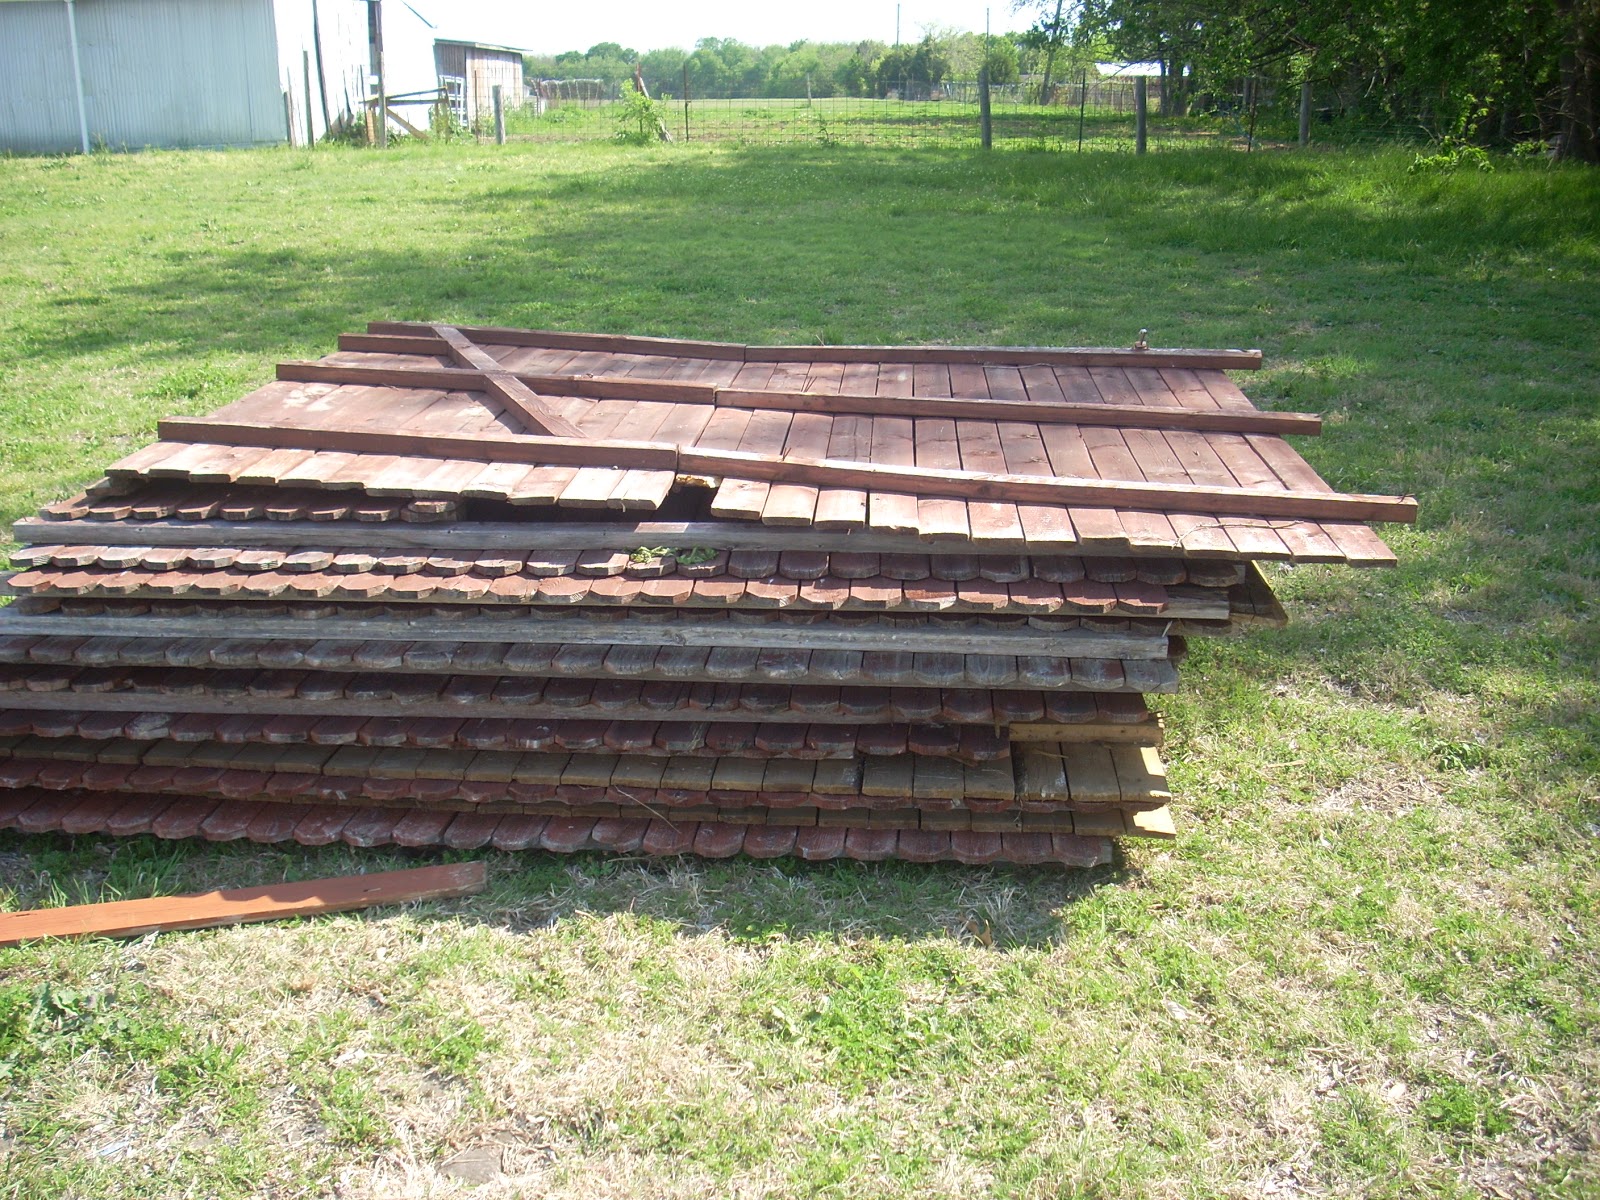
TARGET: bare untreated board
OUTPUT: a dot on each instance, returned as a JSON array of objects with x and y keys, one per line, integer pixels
[
  {"x": 1003, "y": 355},
  {"x": 132, "y": 918}
]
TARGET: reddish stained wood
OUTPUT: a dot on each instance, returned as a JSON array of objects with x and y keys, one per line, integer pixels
[
  {"x": 679, "y": 348},
  {"x": 767, "y": 466},
  {"x": 132, "y": 918},
  {"x": 518, "y": 398}
]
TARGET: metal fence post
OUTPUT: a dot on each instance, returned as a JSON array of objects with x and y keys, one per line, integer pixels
[
  {"x": 1141, "y": 112},
  {"x": 499, "y": 116},
  {"x": 686, "y": 101}
]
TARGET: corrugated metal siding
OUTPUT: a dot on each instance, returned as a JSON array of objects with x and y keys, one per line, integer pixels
[
  {"x": 340, "y": 85},
  {"x": 155, "y": 73},
  {"x": 38, "y": 103}
]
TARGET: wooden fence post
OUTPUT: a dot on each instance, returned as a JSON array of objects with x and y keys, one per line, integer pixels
[
  {"x": 1083, "y": 108},
  {"x": 1141, "y": 112},
  {"x": 1305, "y": 113},
  {"x": 985, "y": 118},
  {"x": 499, "y": 116},
  {"x": 375, "y": 26},
  {"x": 311, "y": 120}
]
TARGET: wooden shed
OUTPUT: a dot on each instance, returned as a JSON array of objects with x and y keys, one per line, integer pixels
[
  {"x": 471, "y": 586},
  {"x": 472, "y": 70}
]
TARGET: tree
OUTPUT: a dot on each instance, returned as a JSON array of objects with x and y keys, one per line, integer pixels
[
  {"x": 1485, "y": 70},
  {"x": 1051, "y": 34}
]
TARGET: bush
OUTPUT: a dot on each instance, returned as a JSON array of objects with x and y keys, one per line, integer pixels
[{"x": 639, "y": 119}]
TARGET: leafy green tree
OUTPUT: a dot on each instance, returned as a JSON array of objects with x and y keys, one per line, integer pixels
[{"x": 1475, "y": 70}]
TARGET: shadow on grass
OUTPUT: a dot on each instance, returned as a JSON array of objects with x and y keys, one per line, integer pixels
[{"x": 742, "y": 898}]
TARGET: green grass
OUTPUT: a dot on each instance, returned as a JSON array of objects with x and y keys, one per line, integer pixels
[
  {"x": 1367, "y": 967},
  {"x": 855, "y": 121}
]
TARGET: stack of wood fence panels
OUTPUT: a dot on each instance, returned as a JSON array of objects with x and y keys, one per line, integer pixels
[{"x": 504, "y": 587}]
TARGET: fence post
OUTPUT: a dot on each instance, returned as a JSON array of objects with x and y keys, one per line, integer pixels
[
  {"x": 311, "y": 120},
  {"x": 985, "y": 118},
  {"x": 1083, "y": 107},
  {"x": 1141, "y": 112},
  {"x": 686, "y": 101},
  {"x": 1305, "y": 113},
  {"x": 375, "y": 19},
  {"x": 499, "y": 116}
]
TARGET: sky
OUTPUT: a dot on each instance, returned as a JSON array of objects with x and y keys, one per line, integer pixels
[{"x": 544, "y": 28}]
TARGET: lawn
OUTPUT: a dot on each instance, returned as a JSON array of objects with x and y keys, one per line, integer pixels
[{"x": 1370, "y": 964}]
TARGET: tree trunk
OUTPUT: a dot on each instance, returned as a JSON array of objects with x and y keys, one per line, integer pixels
[
  {"x": 1580, "y": 84},
  {"x": 1050, "y": 53}
]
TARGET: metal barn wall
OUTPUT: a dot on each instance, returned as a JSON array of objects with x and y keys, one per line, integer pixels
[
  {"x": 155, "y": 73},
  {"x": 38, "y": 104},
  {"x": 322, "y": 43}
]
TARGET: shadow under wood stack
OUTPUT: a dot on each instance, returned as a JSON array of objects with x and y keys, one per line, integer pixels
[{"x": 571, "y": 591}]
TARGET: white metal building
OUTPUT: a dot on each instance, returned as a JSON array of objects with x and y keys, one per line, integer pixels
[{"x": 129, "y": 74}]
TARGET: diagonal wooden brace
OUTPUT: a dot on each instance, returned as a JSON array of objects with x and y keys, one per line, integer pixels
[{"x": 517, "y": 397}]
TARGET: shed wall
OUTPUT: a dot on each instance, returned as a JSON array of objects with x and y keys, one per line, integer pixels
[
  {"x": 482, "y": 69},
  {"x": 155, "y": 73}
]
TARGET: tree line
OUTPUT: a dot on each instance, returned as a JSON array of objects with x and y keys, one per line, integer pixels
[
  {"x": 729, "y": 68},
  {"x": 1506, "y": 72},
  {"x": 1513, "y": 73}
]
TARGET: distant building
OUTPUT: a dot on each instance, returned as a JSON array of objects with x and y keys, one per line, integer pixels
[
  {"x": 129, "y": 74},
  {"x": 472, "y": 70}
]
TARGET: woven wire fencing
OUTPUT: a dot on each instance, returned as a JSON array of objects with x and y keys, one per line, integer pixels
[
  {"x": 1087, "y": 113},
  {"x": 1090, "y": 113}
]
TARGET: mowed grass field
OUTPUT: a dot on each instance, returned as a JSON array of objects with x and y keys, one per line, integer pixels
[{"x": 1369, "y": 966}]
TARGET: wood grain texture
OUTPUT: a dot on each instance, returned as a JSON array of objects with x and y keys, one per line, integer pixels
[{"x": 132, "y": 918}]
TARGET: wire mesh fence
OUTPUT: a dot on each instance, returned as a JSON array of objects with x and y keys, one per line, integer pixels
[{"x": 1088, "y": 113}]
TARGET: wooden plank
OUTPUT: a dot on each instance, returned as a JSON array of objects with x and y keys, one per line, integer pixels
[
  {"x": 893, "y": 635},
  {"x": 518, "y": 398},
  {"x": 934, "y": 442},
  {"x": 1058, "y": 490},
  {"x": 1359, "y": 544},
  {"x": 553, "y": 384},
  {"x": 472, "y": 536},
  {"x": 1227, "y": 360},
  {"x": 680, "y": 348},
  {"x": 133, "y": 918},
  {"x": 1091, "y": 774},
  {"x": 809, "y": 436},
  {"x": 845, "y": 508},
  {"x": 770, "y": 465},
  {"x": 554, "y": 340},
  {"x": 1053, "y": 410}
]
